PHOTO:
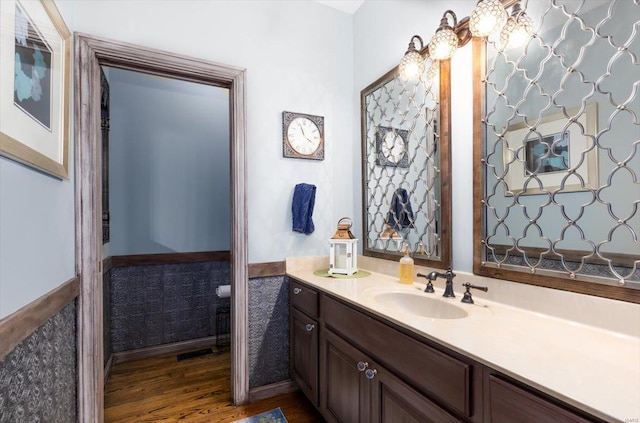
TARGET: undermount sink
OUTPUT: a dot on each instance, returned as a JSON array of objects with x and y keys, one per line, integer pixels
[{"x": 420, "y": 305}]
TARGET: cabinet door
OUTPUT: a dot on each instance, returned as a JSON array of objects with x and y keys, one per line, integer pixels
[
  {"x": 303, "y": 349},
  {"x": 393, "y": 401},
  {"x": 345, "y": 391}
]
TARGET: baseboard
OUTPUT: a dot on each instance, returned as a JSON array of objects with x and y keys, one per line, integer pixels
[
  {"x": 107, "y": 369},
  {"x": 165, "y": 349},
  {"x": 272, "y": 390}
]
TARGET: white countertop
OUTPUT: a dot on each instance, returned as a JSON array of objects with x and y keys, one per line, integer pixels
[{"x": 593, "y": 369}]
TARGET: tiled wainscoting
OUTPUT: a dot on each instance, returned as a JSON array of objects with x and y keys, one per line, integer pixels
[
  {"x": 159, "y": 304},
  {"x": 268, "y": 330},
  {"x": 38, "y": 378}
]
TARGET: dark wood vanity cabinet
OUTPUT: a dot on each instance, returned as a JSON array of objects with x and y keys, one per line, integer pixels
[
  {"x": 357, "y": 368},
  {"x": 303, "y": 339},
  {"x": 358, "y": 389}
]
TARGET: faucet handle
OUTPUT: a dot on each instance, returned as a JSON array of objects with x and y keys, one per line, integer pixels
[
  {"x": 429, "y": 287},
  {"x": 466, "y": 298}
]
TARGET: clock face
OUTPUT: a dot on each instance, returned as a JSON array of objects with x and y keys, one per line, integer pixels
[
  {"x": 393, "y": 147},
  {"x": 303, "y": 135}
]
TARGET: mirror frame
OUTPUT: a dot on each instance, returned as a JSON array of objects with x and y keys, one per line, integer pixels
[
  {"x": 615, "y": 292},
  {"x": 444, "y": 158}
]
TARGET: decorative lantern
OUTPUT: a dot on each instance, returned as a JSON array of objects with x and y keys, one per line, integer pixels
[{"x": 343, "y": 250}]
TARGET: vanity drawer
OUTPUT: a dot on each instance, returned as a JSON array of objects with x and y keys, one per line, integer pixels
[
  {"x": 434, "y": 372},
  {"x": 303, "y": 298},
  {"x": 509, "y": 403}
]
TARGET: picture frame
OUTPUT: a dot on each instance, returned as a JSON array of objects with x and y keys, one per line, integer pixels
[
  {"x": 392, "y": 147},
  {"x": 35, "y": 52},
  {"x": 550, "y": 152}
]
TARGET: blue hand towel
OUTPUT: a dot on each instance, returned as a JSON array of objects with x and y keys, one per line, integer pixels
[
  {"x": 400, "y": 212},
  {"x": 304, "y": 198}
]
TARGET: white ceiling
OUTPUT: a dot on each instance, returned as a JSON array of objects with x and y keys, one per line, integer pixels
[{"x": 348, "y": 6}]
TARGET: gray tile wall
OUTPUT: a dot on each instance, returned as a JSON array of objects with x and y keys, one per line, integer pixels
[
  {"x": 164, "y": 303},
  {"x": 38, "y": 378},
  {"x": 268, "y": 330}
]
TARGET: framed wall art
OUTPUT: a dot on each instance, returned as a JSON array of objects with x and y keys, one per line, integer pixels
[
  {"x": 550, "y": 152},
  {"x": 34, "y": 86}
]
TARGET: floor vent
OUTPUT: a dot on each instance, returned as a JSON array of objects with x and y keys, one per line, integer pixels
[{"x": 194, "y": 354}]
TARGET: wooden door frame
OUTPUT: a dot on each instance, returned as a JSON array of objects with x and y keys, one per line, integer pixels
[{"x": 89, "y": 54}]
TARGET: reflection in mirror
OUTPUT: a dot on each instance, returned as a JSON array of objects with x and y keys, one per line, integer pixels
[
  {"x": 560, "y": 152},
  {"x": 405, "y": 173}
]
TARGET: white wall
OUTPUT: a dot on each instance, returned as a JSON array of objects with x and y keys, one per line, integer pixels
[
  {"x": 169, "y": 165},
  {"x": 298, "y": 56},
  {"x": 382, "y": 30}
]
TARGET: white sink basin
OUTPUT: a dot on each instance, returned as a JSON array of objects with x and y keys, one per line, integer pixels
[{"x": 420, "y": 305}]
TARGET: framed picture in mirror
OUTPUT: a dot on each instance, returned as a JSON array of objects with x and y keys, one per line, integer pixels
[{"x": 553, "y": 155}]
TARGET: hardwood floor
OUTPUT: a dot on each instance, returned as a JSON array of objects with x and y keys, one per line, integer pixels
[{"x": 161, "y": 389}]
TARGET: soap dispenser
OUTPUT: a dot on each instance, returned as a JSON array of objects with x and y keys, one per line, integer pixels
[{"x": 406, "y": 267}]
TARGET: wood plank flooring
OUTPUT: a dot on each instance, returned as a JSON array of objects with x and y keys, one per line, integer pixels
[{"x": 196, "y": 390}]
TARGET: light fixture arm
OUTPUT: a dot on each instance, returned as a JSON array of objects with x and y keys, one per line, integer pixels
[
  {"x": 412, "y": 45},
  {"x": 444, "y": 22}
]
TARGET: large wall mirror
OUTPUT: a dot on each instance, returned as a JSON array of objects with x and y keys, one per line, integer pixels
[
  {"x": 406, "y": 166},
  {"x": 557, "y": 144}
]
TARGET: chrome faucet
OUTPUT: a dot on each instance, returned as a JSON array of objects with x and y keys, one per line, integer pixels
[{"x": 448, "y": 288}]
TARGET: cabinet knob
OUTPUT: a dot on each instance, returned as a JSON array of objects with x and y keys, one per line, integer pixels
[
  {"x": 309, "y": 327},
  {"x": 362, "y": 365},
  {"x": 370, "y": 373},
  {"x": 296, "y": 291}
]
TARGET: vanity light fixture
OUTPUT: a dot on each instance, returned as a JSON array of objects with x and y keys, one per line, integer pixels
[
  {"x": 489, "y": 16},
  {"x": 445, "y": 41},
  {"x": 412, "y": 64},
  {"x": 518, "y": 30}
]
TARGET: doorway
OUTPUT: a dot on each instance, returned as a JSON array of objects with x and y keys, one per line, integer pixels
[{"x": 91, "y": 53}]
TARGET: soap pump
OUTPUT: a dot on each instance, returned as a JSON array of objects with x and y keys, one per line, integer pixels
[{"x": 406, "y": 267}]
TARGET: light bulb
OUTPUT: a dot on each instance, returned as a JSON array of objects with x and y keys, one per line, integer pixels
[
  {"x": 443, "y": 44},
  {"x": 487, "y": 17},
  {"x": 518, "y": 30},
  {"x": 411, "y": 65}
]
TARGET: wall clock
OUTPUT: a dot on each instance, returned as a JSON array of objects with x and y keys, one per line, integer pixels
[
  {"x": 392, "y": 147},
  {"x": 302, "y": 136}
]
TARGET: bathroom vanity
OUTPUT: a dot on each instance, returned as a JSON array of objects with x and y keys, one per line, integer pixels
[{"x": 372, "y": 350}]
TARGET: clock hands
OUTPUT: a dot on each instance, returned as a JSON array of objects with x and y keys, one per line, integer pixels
[{"x": 304, "y": 134}]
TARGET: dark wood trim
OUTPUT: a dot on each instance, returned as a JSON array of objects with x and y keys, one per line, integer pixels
[
  {"x": 107, "y": 264},
  {"x": 261, "y": 270},
  {"x": 17, "y": 326},
  {"x": 272, "y": 390},
  {"x": 89, "y": 54},
  {"x": 548, "y": 279},
  {"x": 165, "y": 349},
  {"x": 169, "y": 258}
]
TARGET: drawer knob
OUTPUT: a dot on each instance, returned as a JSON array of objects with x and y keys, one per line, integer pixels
[
  {"x": 370, "y": 373},
  {"x": 296, "y": 291},
  {"x": 362, "y": 365},
  {"x": 309, "y": 327}
]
